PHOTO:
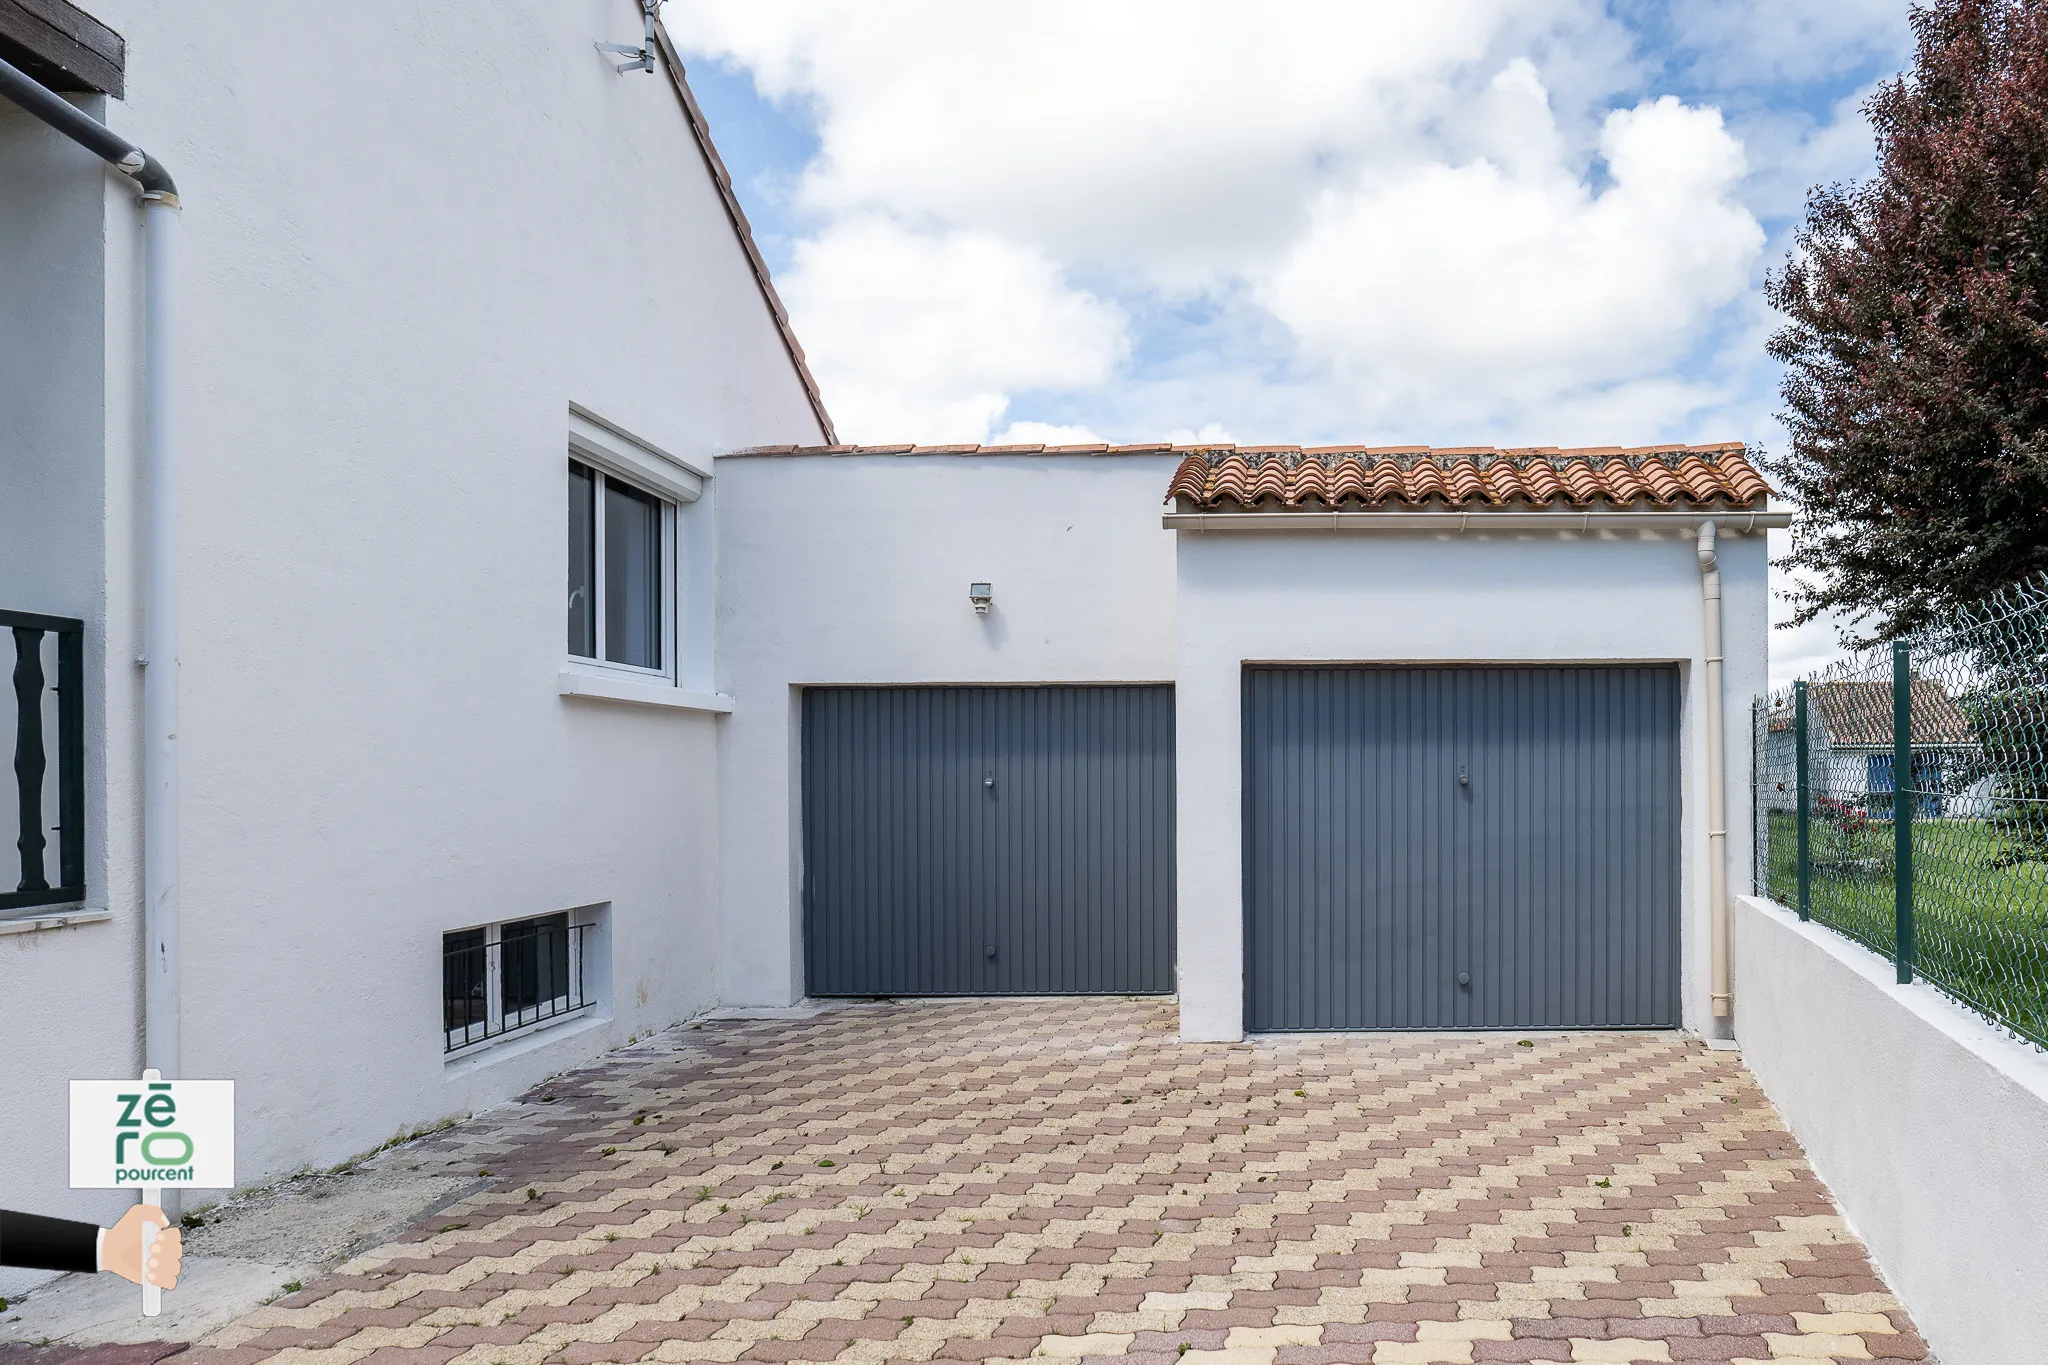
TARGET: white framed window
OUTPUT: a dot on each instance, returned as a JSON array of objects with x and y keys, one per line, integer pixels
[
  {"x": 639, "y": 595},
  {"x": 515, "y": 975},
  {"x": 622, "y": 573}
]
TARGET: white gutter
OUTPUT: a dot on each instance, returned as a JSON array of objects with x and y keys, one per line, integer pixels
[
  {"x": 159, "y": 195},
  {"x": 1717, "y": 795},
  {"x": 1460, "y": 522}
]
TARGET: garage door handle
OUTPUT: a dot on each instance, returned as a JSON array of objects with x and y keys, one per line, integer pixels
[
  {"x": 1464, "y": 778},
  {"x": 1464, "y": 978},
  {"x": 989, "y": 781}
]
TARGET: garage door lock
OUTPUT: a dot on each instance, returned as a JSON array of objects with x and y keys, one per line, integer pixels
[{"x": 1464, "y": 978}]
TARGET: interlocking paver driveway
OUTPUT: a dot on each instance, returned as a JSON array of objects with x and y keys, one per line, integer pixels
[{"x": 975, "y": 1180}]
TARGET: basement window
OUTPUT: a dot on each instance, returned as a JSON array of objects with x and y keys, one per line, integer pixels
[{"x": 504, "y": 978}]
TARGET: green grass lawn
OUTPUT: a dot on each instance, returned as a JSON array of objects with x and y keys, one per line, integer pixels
[{"x": 1981, "y": 928}]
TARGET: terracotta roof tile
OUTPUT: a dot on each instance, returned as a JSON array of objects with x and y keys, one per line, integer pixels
[
  {"x": 1858, "y": 715},
  {"x": 1238, "y": 478}
]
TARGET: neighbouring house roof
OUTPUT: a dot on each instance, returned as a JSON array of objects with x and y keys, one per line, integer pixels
[
  {"x": 672, "y": 62},
  {"x": 1243, "y": 478},
  {"x": 1858, "y": 715}
]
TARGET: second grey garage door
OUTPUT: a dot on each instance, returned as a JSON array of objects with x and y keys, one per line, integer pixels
[
  {"x": 1450, "y": 848},
  {"x": 988, "y": 840}
]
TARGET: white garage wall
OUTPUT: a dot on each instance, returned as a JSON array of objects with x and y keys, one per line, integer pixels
[
  {"x": 413, "y": 234},
  {"x": 1402, "y": 598},
  {"x": 854, "y": 569}
]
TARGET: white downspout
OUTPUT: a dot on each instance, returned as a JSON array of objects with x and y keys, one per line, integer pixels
[
  {"x": 1717, "y": 795},
  {"x": 162, "y": 1034}
]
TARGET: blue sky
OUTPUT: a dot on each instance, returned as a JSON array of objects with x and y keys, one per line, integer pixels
[{"x": 1543, "y": 222}]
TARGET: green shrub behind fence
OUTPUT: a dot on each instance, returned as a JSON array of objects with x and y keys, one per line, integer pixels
[{"x": 1901, "y": 799}]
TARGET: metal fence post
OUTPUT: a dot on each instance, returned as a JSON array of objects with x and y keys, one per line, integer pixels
[
  {"x": 1805, "y": 800},
  {"x": 1902, "y": 810}
]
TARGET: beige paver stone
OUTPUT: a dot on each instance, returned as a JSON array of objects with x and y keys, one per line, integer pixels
[
  {"x": 1574, "y": 1274},
  {"x": 1422, "y": 1353},
  {"x": 1465, "y": 1329},
  {"x": 1844, "y": 1322},
  {"x": 1687, "y": 1306},
  {"x": 1268, "y": 1338},
  {"x": 1816, "y": 1346},
  {"x": 1621, "y": 1349},
  {"x": 1094, "y": 1344}
]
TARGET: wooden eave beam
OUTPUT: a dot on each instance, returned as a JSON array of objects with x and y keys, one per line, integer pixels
[{"x": 62, "y": 46}]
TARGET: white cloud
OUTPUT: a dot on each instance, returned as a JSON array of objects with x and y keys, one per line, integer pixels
[
  {"x": 1792, "y": 152},
  {"x": 924, "y": 336},
  {"x": 1323, "y": 220},
  {"x": 1755, "y": 41},
  {"x": 1047, "y": 434},
  {"x": 1169, "y": 138},
  {"x": 1510, "y": 281},
  {"x": 1799, "y": 651}
]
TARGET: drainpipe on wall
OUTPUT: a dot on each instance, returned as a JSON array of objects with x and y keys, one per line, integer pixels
[
  {"x": 1717, "y": 795},
  {"x": 161, "y": 1043}
]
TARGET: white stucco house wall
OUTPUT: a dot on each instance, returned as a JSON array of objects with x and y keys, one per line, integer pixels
[
  {"x": 472, "y": 790},
  {"x": 429, "y": 254}
]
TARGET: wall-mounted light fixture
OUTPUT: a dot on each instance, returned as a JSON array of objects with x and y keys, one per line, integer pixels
[{"x": 983, "y": 595}]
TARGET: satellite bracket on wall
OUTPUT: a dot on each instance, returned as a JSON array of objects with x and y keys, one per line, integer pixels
[{"x": 644, "y": 55}]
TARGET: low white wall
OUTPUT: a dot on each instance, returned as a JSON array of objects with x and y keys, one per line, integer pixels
[
  {"x": 1929, "y": 1126},
  {"x": 854, "y": 570},
  {"x": 1419, "y": 598}
]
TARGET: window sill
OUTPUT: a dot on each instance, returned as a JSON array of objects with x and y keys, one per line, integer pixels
[
  {"x": 594, "y": 686},
  {"x": 520, "y": 1041},
  {"x": 55, "y": 919}
]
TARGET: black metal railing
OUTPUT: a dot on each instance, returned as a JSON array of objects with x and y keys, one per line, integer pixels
[
  {"x": 37, "y": 703},
  {"x": 503, "y": 978}
]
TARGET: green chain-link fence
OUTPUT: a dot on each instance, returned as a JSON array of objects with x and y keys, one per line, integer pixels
[{"x": 1902, "y": 800}]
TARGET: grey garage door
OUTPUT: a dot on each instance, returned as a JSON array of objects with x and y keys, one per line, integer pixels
[
  {"x": 1450, "y": 848},
  {"x": 988, "y": 840}
]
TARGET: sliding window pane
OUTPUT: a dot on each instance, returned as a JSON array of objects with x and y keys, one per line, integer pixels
[
  {"x": 582, "y": 562},
  {"x": 632, "y": 576}
]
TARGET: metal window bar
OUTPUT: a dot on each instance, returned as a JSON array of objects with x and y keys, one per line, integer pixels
[
  {"x": 1921, "y": 771},
  {"x": 40, "y": 706},
  {"x": 508, "y": 978}
]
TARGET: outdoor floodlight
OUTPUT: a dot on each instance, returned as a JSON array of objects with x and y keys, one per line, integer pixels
[{"x": 982, "y": 595}]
